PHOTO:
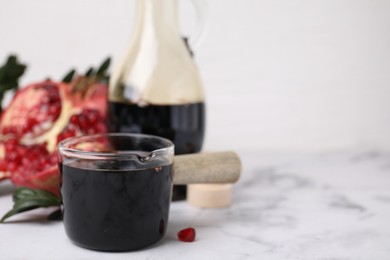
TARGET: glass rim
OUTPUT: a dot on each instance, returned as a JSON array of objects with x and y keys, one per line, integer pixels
[{"x": 63, "y": 147}]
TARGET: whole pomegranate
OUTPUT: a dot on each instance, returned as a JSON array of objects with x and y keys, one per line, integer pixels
[{"x": 39, "y": 116}]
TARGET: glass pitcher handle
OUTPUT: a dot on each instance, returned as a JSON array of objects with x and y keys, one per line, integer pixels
[{"x": 201, "y": 12}]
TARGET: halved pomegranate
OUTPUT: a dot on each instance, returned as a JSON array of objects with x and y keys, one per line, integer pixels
[{"x": 38, "y": 117}]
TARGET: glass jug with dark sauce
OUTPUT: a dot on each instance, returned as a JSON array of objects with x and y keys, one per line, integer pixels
[{"x": 157, "y": 89}]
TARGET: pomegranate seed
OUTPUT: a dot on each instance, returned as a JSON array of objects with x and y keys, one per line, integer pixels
[
  {"x": 7, "y": 130},
  {"x": 186, "y": 235},
  {"x": 21, "y": 151},
  {"x": 53, "y": 159},
  {"x": 92, "y": 116},
  {"x": 29, "y": 124},
  {"x": 91, "y": 131},
  {"x": 12, "y": 141},
  {"x": 44, "y": 108},
  {"x": 3, "y": 166},
  {"x": 68, "y": 134},
  {"x": 55, "y": 110},
  {"x": 101, "y": 128},
  {"x": 44, "y": 162},
  {"x": 83, "y": 122},
  {"x": 4, "y": 130},
  {"x": 21, "y": 172},
  {"x": 33, "y": 155},
  {"x": 25, "y": 161},
  {"x": 12, "y": 166},
  {"x": 35, "y": 110},
  {"x": 45, "y": 100},
  {"x": 12, "y": 156},
  {"x": 34, "y": 164},
  {"x": 60, "y": 137},
  {"x": 18, "y": 130},
  {"x": 10, "y": 144},
  {"x": 74, "y": 119}
]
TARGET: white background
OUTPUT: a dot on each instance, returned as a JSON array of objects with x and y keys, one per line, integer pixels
[{"x": 279, "y": 75}]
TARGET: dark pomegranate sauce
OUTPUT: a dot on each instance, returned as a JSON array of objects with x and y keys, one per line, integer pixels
[
  {"x": 115, "y": 210},
  {"x": 183, "y": 124}
]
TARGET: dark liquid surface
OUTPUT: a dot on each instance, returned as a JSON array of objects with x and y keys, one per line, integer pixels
[
  {"x": 117, "y": 210},
  {"x": 184, "y": 125}
]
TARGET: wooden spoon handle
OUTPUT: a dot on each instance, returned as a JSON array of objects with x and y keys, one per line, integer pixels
[{"x": 216, "y": 167}]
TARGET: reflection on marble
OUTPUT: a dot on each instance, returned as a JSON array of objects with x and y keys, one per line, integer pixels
[{"x": 285, "y": 206}]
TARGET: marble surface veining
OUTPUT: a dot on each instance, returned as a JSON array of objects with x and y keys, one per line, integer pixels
[{"x": 285, "y": 206}]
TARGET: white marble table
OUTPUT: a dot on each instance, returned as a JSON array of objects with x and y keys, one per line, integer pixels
[{"x": 286, "y": 206}]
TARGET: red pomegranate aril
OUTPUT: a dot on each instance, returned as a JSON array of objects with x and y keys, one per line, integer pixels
[
  {"x": 11, "y": 166},
  {"x": 29, "y": 124},
  {"x": 21, "y": 151},
  {"x": 3, "y": 166},
  {"x": 25, "y": 161},
  {"x": 32, "y": 156},
  {"x": 10, "y": 145},
  {"x": 60, "y": 137},
  {"x": 7, "y": 130},
  {"x": 92, "y": 116},
  {"x": 55, "y": 110},
  {"x": 187, "y": 235},
  {"x": 83, "y": 122},
  {"x": 44, "y": 109},
  {"x": 11, "y": 141},
  {"x": 68, "y": 134},
  {"x": 101, "y": 128},
  {"x": 91, "y": 131},
  {"x": 36, "y": 130},
  {"x": 45, "y": 100},
  {"x": 74, "y": 119},
  {"x": 44, "y": 162},
  {"x": 19, "y": 130},
  {"x": 12, "y": 156}
]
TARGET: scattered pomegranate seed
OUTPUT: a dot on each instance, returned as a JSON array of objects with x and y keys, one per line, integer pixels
[{"x": 187, "y": 235}]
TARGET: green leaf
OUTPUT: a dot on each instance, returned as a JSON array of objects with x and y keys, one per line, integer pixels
[
  {"x": 24, "y": 193},
  {"x": 69, "y": 76},
  {"x": 27, "y": 199},
  {"x": 10, "y": 73},
  {"x": 90, "y": 72},
  {"x": 101, "y": 72}
]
